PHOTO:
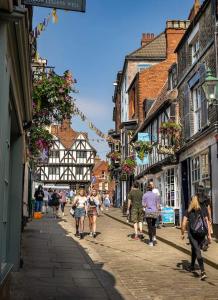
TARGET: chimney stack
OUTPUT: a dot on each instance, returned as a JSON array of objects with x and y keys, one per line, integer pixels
[
  {"x": 174, "y": 32},
  {"x": 194, "y": 10},
  {"x": 147, "y": 38}
]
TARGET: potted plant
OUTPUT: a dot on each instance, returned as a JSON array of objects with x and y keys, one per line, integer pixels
[
  {"x": 142, "y": 148},
  {"x": 128, "y": 166}
]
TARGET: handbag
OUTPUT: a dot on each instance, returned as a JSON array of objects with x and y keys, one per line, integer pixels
[
  {"x": 151, "y": 214},
  {"x": 72, "y": 212}
]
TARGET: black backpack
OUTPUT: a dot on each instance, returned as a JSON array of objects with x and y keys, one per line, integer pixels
[{"x": 197, "y": 224}]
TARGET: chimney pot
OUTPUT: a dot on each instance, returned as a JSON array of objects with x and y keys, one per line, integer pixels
[{"x": 147, "y": 38}]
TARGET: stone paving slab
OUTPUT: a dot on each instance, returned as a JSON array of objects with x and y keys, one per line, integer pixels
[
  {"x": 171, "y": 236},
  {"x": 57, "y": 267},
  {"x": 143, "y": 272}
]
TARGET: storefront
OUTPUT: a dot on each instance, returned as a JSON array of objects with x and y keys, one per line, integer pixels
[{"x": 199, "y": 166}]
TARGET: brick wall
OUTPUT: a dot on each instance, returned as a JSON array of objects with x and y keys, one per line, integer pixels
[
  {"x": 152, "y": 80},
  {"x": 102, "y": 166}
]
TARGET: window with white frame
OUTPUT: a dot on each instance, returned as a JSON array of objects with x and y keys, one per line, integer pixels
[
  {"x": 195, "y": 48},
  {"x": 197, "y": 109},
  {"x": 143, "y": 66},
  {"x": 170, "y": 192},
  {"x": 201, "y": 172},
  {"x": 53, "y": 170}
]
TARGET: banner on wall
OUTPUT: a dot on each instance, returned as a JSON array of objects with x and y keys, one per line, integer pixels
[
  {"x": 73, "y": 5},
  {"x": 145, "y": 137}
]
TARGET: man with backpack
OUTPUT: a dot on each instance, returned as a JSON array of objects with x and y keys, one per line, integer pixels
[{"x": 197, "y": 222}]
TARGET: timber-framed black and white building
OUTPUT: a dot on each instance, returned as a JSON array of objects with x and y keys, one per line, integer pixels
[{"x": 70, "y": 160}]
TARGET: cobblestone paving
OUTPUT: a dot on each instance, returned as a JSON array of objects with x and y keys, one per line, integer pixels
[{"x": 146, "y": 273}]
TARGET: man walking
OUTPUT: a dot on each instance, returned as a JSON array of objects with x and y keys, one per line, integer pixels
[{"x": 135, "y": 201}]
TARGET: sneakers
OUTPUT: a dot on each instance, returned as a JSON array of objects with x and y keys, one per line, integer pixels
[
  {"x": 191, "y": 269},
  {"x": 150, "y": 244},
  {"x": 94, "y": 235},
  {"x": 81, "y": 236},
  {"x": 203, "y": 276},
  {"x": 91, "y": 234}
]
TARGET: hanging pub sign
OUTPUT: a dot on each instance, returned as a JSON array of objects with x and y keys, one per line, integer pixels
[{"x": 74, "y": 5}]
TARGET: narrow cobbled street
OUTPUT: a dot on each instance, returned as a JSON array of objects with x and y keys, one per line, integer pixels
[{"x": 59, "y": 266}]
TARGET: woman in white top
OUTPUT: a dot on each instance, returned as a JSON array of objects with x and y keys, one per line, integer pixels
[{"x": 80, "y": 205}]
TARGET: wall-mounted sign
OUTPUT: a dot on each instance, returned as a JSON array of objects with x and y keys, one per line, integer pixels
[{"x": 74, "y": 5}]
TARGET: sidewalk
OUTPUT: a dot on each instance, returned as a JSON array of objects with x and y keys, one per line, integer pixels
[
  {"x": 56, "y": 267},
  {"x": 171, "y": 236}
]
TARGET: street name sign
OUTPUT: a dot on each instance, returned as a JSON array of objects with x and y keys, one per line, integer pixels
[{"x": 74, "y": 5}]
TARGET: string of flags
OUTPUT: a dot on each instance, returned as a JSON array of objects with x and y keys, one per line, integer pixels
[
  {"x": 98, "y": 132},
  {"x": 42, "y": 25}
]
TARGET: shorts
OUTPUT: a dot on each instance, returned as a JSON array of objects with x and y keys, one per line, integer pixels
[
  {"x": 137, "y": 215},
  {"x": 79, "y": 212},
  {"x": 92, "y": 211}
]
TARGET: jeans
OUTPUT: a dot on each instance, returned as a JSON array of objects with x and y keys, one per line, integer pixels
[
  {"x": 62, "y": 206},
  {"x": 38, "y": 206},
  {"x": 196, "y": 251},
  {"x": 151, "y": 228}
]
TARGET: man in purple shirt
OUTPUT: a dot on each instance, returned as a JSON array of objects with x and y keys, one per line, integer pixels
[{"x": 151, "y": 204}]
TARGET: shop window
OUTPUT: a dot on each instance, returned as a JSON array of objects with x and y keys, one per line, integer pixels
[
  {"x": 170, "y": 188},
  {"x": 196, "y": 169},
  {"x": 201, "y": 172}
]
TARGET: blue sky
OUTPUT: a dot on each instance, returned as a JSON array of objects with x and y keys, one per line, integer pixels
[{"x": 93, "y": 46}]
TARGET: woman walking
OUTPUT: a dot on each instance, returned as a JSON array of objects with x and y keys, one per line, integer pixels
[
  {"x": 197, "y": 222},
  {"x": 93, "y": 207},
  {"x": 63, "y": 201},
  {"x": 55, "y": 202},
  {"x": 151, "y": 204},
  {"x": 80, "y": 204}
]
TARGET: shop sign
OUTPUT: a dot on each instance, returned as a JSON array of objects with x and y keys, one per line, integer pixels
[
  {"x": 142, "y": 136},
  {"x": 74, "y": 5},
  {"x": 168, "y": 215}
]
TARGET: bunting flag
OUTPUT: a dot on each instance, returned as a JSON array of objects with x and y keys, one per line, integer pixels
[
  {"x": 98, "y": 132},
  {"x": 42, "y": 25}
]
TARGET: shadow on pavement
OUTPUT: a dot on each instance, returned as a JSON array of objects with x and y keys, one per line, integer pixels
[{"x": 56, "y": 267}]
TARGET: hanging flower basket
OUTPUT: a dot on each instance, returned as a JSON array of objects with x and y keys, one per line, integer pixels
[
  {"x": 142, "y": 148},
  {"x": 166, "y": 150},
  {"x": 170, "y": 128},
  {"x": 51, "y": 98},
  {"x": 115, "y": 156},
  {"x": 128, "y": 166},
  {"x": 39, "y": 140}
]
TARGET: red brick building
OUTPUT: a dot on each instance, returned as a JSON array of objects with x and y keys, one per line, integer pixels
[
  {"x": 148, "y": 83},
  {"x": 102, "y": 181}
]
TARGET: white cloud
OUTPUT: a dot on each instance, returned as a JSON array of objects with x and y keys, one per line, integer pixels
[{"x": 95, "y": 109}]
